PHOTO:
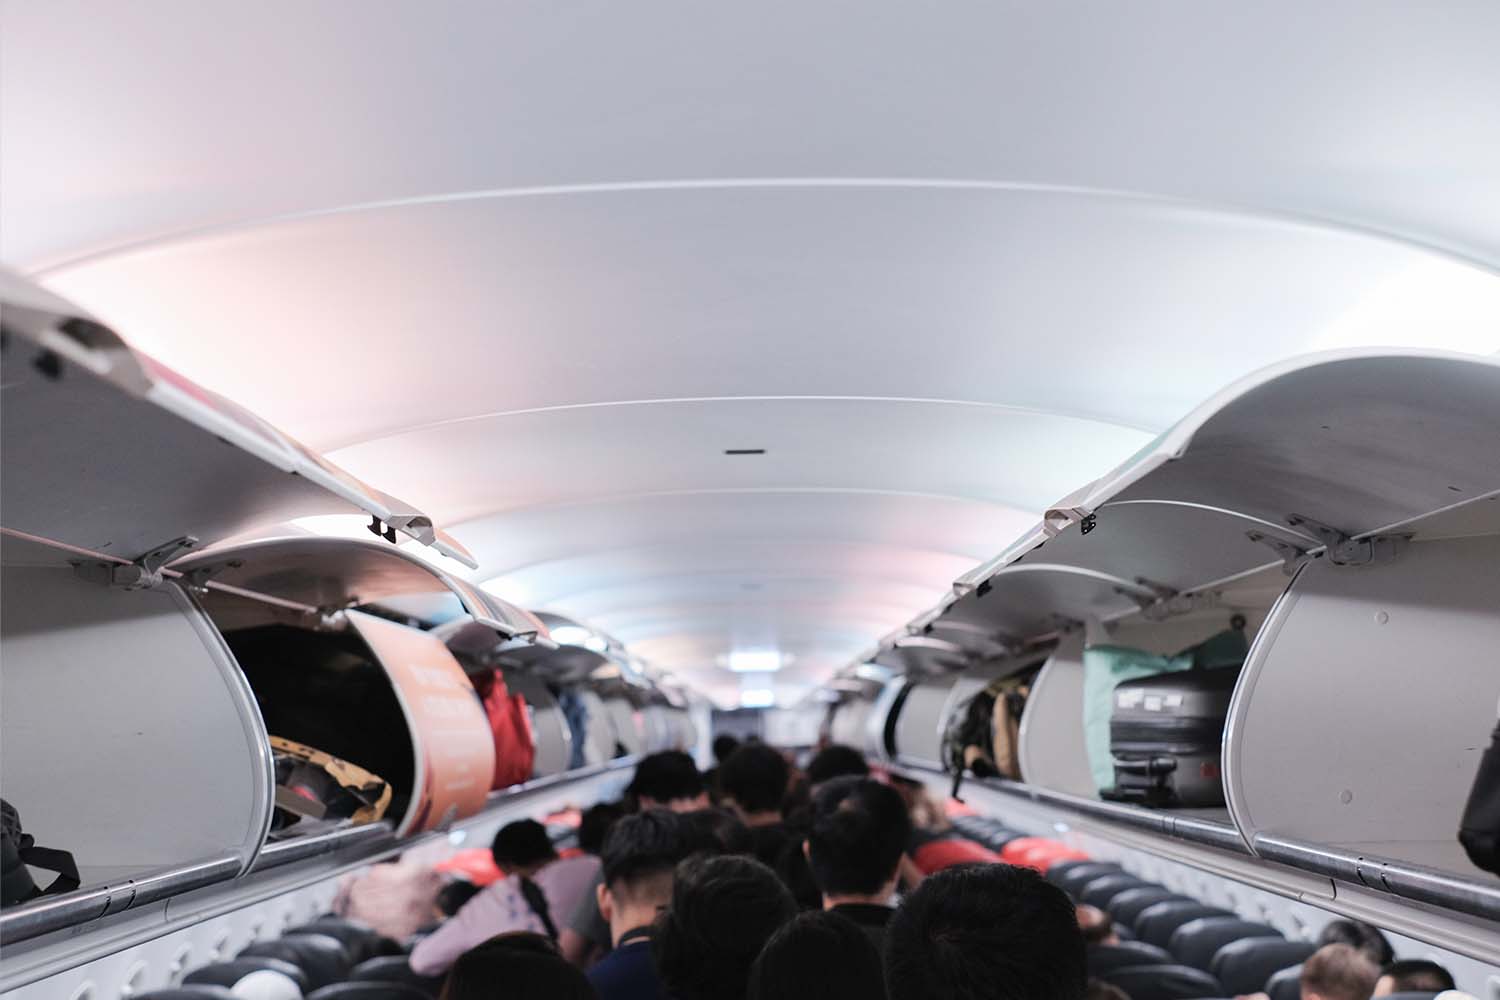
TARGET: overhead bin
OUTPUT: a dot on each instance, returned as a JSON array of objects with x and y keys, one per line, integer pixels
[{"x": 1343, "y": 510}]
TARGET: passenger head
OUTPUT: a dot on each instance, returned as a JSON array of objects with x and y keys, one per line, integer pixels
[
  {"x": 522, "y": 847},
  {"x": 639, "y": 857},
  {"x": 668, "y": 780},
  {"x": 754, "y": 780},
  {"x": 1361, "y": 935},
  {"x": 724, "y": 746},
  {"x": 836, "y": 761},
  {"x": 1338, "y": 972},
  {"x": 515, "y": 967},
  {"x": 719, "y": 831},
  {"x": 818, "y": 956},
  {"x": 595, "y": 824},
  {"x": 452, "y": 897},
  {"x": 1413, "y": 975},
  {"x": 859, "y": 831},
  {"x": 985, "y": 932},
  {"x": 723, "y": 911},
  {"x": 1098, "y": 927}
]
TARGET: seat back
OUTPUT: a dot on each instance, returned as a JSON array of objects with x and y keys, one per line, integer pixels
[
  {"x": 1069, "y": 876},
  {"x": 1286, "y": 984},
  {"x": 370, "y": 991},
  {"x": 1098, "y": 891},
  {"x": 1196, "y": 942},
  {"x": 1247, "y": 965},
  {"x": 1164, "y": 982},
  {"x": 361, "y": 941},
  {"x": 1127, "y": 907},
  {"x": 320, "y": 957},
  {"x": 197, "y": 991},
  {"x": 232, "y": 972},
  {"x": 1104, "y": 958},
  {"x": 1159, "y": 921},
  {"x": 394, "y": 969}
]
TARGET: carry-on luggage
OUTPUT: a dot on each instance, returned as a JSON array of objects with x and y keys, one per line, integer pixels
[{"x": 1165, "y": 734}]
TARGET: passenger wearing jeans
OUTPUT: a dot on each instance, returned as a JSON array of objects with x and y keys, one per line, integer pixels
[{"x": 537, "y": 890}]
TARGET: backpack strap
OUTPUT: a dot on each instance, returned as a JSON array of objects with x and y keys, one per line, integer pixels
[
  {"x": 52, "y": 860},
  {"x": 537, "y": 900}
]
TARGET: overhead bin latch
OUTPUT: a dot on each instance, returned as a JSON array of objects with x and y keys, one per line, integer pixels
[{"x": 145, "y": 573}]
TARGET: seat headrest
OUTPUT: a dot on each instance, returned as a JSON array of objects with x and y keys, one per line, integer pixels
[
  {"x": 1285, "y": 984},
  {"x": 198, "y": 991},
  {"x": 1164, "y": 982},
  {"x": 1127, "y": 907},
  {"x": 1196, "y": 942},
  {"x": 368, "y": 991},
  {"x": 1104, "y": 958},
  {"x": 1159, "y": 921},
  {"x": 1098, "y": 891},
  {"x": 236, "y": 969},
  {"x": 394, "y": 969},
  {"x": 1249, "y": 964},
  {"x": 320, "y": 957}
]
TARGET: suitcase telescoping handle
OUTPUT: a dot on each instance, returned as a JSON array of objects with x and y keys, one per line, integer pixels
[{"x": 1151, "y": 767}]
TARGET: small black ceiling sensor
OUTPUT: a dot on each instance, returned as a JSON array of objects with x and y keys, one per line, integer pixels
[{"x": 744, "y": 451}]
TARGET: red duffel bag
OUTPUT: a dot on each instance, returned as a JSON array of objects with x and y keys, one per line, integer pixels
[{"x": 510, "y": 721}]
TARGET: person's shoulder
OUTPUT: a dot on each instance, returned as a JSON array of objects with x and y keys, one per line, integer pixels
[{"x": 627, "y": 973}]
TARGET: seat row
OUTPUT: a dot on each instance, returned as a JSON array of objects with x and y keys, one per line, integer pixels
[
  {"x": 1172, "y": 946},
  {"x": 328, "y": 959}
]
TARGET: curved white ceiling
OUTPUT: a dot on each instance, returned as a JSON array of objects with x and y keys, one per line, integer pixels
[{"x": 536, "y": 267}]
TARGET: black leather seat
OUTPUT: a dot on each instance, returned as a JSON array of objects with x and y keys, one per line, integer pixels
[
  {"x": 1247, "y": 965},
  {"x": 370, "y": 991},
  {"x": 361, "y": 941},
  {"x": 320, "y": 957},
  {"x": 1164, "y": 982},
  {"x": 1100, "y": 889},
  {"x": 1159, "y": 921},
  {"x": 1286, "y": 984},
  {"x": 231, "y": 972},
  {"x": 394, "y": 969},
  {"x": 198, "y": 991},
  {"x": 1196, "y": 942},
  {"x": 1069, "y": 876},
  {"x": 1104, "y": 958},
  {"x": 1127, "y": 907}
]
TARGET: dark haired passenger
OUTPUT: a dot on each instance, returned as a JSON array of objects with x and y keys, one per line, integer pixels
[
  {"x": 1097, "y": 926},
  {"x": 854, "y": 848},
  {"x": 723, "y": 746},
  {"x": 1358, "y": 934},
  {"x": 818, "y": 956},
  {"x": 985, "y": 932},
  {"x": 719, "y": 831},
  {"x": 836, "y": 761},
  {"x": 536, "y": 888},
  {"x": 595, "y": 823},
  {"x": 1413, "y": 975},
  {"x": 640, "y": 857},
  {"x": 667, "y": 780},
  {"x": 722, "y": 913},
  {"x": 1338, "y": 972},
  {"x": 754, "y": 781},
  {"x": 518, "y": 966}
]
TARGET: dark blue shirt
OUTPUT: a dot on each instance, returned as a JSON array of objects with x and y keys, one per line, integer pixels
[{"x": 628, "y": 972}]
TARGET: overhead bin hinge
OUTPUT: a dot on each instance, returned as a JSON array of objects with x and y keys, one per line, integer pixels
[
  {"x": 1164, "y": 602},
  {"x": 1342, "y": 550},
  {"x": 145, "y": 573},
  {"x": 196, "y": 580},
  {"x": 1292, "y": 555}
]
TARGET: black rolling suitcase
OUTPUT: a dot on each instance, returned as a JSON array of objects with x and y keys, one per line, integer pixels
[{"x": 1165, "y": 734}]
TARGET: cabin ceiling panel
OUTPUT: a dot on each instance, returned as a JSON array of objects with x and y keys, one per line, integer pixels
[
  {"x": 399, "y": 318},
  {"x": 181, "y": 114}
]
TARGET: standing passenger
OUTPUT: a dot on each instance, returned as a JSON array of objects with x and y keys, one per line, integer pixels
[
  {"x": 754, "y": 781},
  {"x": 859, "y": 833}
]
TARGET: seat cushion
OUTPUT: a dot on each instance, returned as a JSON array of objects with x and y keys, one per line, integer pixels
[
  {"x": 1247, "y": 965},
  {"x": 1104, "y": 958},
  {"x": 1159, "y": 921},
  {"x": 1196, "y": 942},
  {"x": 1164, "y": 982}
]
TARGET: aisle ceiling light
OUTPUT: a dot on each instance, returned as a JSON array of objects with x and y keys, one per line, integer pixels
[{"x": 751, "y": 661}]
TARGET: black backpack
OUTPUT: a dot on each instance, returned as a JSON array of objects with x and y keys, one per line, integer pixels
[
  {"x": 1479, "y": 830},
  {"x": 18, "y": 851}
]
